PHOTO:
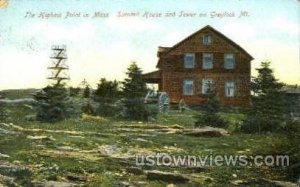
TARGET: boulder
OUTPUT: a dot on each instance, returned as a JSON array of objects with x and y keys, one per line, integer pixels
[
  {"x": 206, "y": 131},
  {"x": 4, "y": 155},
  {"x": 6, "y": 132},
  {"x": 40, "y": 138},
  {"x": 67, "y": 148},
  {"x": 58, "y": 184},
  {"x": 74, "y": 177},
  {"x": 108, "y": 150}
]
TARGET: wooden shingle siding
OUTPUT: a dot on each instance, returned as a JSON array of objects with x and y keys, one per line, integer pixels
[{"x": 173, "y": 71}]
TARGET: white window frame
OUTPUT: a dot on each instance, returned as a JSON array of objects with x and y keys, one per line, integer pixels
[
  {"x": 206, "y": 40},
  {"x": 205, "y": 64},
  {"x": 205, "y": 82},
  {"x": 229, "y": 88},
  {"x": 189, "y": 64},
  {"x": 188, "y": 82},
  {"x": 229, "y": 61}
]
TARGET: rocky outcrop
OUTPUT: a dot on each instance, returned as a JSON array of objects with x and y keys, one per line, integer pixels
[{"x": 206, "y": 131}]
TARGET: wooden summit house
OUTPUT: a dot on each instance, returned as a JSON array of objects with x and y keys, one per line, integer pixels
[{"x": 205, "y": 57}]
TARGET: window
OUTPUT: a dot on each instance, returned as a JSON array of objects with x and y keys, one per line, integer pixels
[
  {"x": 229, "y": 61},
  {"x": 206, "y": 84},
  {"x": 189, "y": 60},
  {"x": 206, "y": 39},
  {"x": 229, "y": 88},
  {"x": 207, "y": 61},
  {"x": 188, "y": 87}
]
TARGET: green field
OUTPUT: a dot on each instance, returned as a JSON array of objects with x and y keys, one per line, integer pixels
[{"x": 96, "y": 151}]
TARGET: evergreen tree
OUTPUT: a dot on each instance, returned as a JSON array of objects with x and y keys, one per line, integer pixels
[
  {"x": 267, "y": 110},
  {"x": 3, "y": 113},
  {"x": 86, "y": 92},
  {"x": 73, "y": 92},
  {"x": 52, "y": 104},
  {"x": 134, "y": 91},
  {"x": 107, "y": 94},
  {"x": 210, "y": 113}
]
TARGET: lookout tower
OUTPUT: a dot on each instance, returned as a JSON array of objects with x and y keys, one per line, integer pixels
[{"x": 58, "y": 67}]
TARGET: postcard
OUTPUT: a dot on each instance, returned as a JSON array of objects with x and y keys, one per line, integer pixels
[{"x": 149, "y": 93}]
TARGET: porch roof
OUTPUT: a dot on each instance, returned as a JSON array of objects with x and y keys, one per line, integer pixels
[{"x": 152, "y": 77}]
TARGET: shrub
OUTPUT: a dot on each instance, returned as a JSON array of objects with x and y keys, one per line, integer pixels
[
  {"x": 210, "y": 115},
  {"x": 107, "y": 95},
  {"x": 256, "y": 124},
  {"x": 109, "y": 109},
  {"x": 214, "y": 120},
  {"x": 292, "y": 126}
]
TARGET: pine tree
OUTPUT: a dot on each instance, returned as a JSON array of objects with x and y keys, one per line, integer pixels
[
  {"x": 106, "y": 95},
  {"x": 3, "y": 113},
  {"x": 86, "y": 92},
  {"x": 267, "y": 110},
  {"x": 73, "y": 92},
  {"x": 52, "y": 104},
  {"x": 210, "y": 113},
  {"x": 134, "y": 91}
]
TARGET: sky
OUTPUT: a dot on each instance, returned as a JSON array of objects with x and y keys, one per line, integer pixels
[{"x": 105, "y": 46}]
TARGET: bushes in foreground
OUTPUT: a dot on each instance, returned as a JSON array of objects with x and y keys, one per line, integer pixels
[{"x": 211, "y": 111}]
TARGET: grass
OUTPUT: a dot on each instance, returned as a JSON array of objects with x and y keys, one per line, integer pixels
[{"x": 45, "y": 160}]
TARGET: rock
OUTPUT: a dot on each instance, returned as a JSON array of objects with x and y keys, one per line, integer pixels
[
  {"x": 176, "y": 126},
  {"x": 6, "y": 179},
  {"x": 281, "y": 183},
  {"x": 4, "y": 155},
  {"x": 166, "y": 176},
  {"x": 6, "y": 132},
  {"x": 12, "y": 169},
  {"x": 170, "y": 185},
  {"x": 18, "y": 101},
  {"x": 125, "y": 184},
  {"x": 74, "y": 177},
  {"x": 58, "y": 184},
  {"x": 141, "y": 140},
  {"x": 67, "y": 148},
  {"x": 40, "y": 138},
  {"x": 206, "y": 131},
  {"x": 16, "y": 162},
  {"x": 237, "y": 182},
  {"x": 107, "y": 149},
  {"x": 141, "y": 183},
  {"x": 29, "y": 107}
]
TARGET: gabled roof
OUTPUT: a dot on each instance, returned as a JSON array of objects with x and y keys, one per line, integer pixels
[{"x": 215, "y": 31}]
